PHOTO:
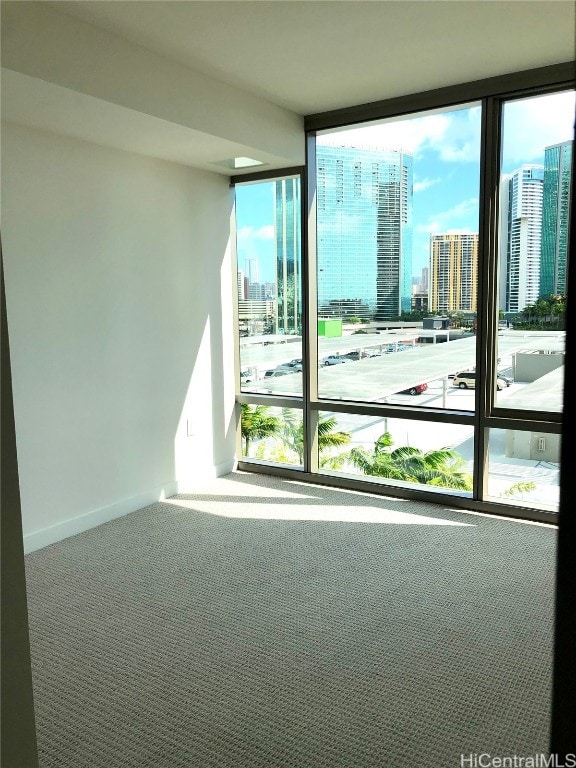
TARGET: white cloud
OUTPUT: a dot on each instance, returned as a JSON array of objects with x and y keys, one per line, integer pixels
[
  {"x": 251, "y": 233},
  {"x": 409, "y": 135},
  {"x": 461, "y": 142},
  {"x": 535, "y": 123},
  {"x": 421, "y": 185},
  {"x": 430, "y": 226},
  {"x": 529, "y": 126},
  {"x": 462, "y": 209},
  {"x": 454, "y": 135},
  {"x": 466, "y": 151},
  {"x": 443, "y": 221}
]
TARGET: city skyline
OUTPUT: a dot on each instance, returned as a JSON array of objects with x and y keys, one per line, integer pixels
[{"x": 446, "y": 148}]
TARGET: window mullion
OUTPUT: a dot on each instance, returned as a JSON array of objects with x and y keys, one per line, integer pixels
[{"x": 310, "y": 307}]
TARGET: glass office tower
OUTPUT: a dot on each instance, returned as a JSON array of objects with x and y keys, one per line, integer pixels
[
  {"x": 555, "y": 218},
  {"x": 364, "y": 224},
  {"x": 288, "y": 257}
]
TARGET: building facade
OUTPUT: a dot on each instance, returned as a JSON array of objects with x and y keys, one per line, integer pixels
[
  {"x": 521, "y": 197},
  {"x": 287, "y": 223},
  {"x": 364, "y": 230},
  {"x": 555, "y": 218},
  {"x": 453, "y": 272}
]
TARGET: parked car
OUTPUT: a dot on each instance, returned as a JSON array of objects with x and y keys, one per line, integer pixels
[
  {"x": 356, "y": 355},
  {"x": 417, "y": 389},
  {"x": 335, "y": 360},
  {"x": 245, "y": 377},
  {"x": 467, "y": 380},
  {"x": 281, "y": 370},
  {"x": 295, "y": 364}
]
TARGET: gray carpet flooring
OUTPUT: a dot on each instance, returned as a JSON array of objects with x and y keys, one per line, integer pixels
[{"x": 267, "y": 623}]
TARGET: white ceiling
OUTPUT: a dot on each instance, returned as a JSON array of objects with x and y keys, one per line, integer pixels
[
  {"x": 198, "y": 82},
  {"x": 315, "y": 55}
]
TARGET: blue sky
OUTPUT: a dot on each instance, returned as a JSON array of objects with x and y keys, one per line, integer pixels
[{"x": 446, "y": 150}]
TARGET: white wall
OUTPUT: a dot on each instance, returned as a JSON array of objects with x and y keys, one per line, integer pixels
[{"x": 118, "y": 285}]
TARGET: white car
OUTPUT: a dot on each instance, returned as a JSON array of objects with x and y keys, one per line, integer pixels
[
  {"x": 467, "y": 380},
  {"x": 335, "y": 360}
]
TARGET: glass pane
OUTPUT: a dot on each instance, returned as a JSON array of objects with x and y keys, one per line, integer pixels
[
  {"x": 533, "y": 248},
  {"x": 272, "y": 434},
  {"x": 397, "y": 245},
  {"x": 397, "y": 452},
  {"x": 524, "y": 468},
  {"x": 269, "y": 286}
]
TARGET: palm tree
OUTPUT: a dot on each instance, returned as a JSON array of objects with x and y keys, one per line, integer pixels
[
  {"x": 558, "y": 302},
  {"x": 257, "y": 424},
  {"x": 542, "y": 309},
  {"x": 442, "y": 467},
  {"x": 292, "y": 435}
]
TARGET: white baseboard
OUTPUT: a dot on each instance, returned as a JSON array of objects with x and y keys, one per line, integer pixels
[
  {"x": 225, "y": 468},
  {"x": 58, "y": 531},
  {"x": 205, "y": 473}
]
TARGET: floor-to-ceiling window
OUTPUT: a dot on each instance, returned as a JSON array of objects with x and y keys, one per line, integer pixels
[
  {"x": 401, "y": 301},
  {"x": 270, "y": 319}
]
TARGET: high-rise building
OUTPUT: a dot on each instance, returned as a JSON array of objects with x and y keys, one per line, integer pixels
[
  {"x": 420, "y": 301},
  {"x": 364, "y": 229},
  {"x": 520, "y": 237},
  {"x": 242, "y": 285},
  {"x": 253, "y": 270},
  {"x": 288, "y": 256},
  {"x": 453, "y": 272},
  {"x": 257, "y": 292},
  {"x": 423, "y": 280},
  {"x": 555, "y": 218}
]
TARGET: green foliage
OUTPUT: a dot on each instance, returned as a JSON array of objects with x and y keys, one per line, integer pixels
[
  {"x": 292, "y": 435},
  {"x": 276, "y": 452},
  {"x": 257, "y": 424},
  {"x": 545, "y": 314},
  {"x": 442, "y": 468},
  {"x": 519, "y": 489},
  {"x": 329, "y": 439}
]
